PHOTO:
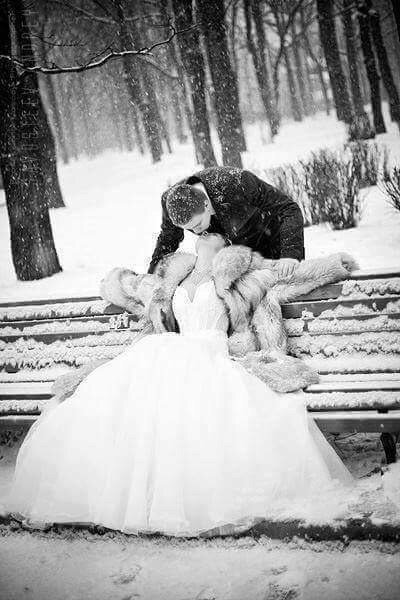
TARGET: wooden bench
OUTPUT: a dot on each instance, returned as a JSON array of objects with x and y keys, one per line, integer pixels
[{"x": 349, "y": 331}]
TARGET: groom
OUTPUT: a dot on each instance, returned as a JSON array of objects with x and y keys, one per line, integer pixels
[{"x": 237, "y": 204}]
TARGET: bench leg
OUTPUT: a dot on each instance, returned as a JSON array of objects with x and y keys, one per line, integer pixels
[{"x": 389, "y": 445}]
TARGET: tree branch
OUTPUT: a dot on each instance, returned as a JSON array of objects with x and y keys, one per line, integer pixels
[
  {"x": 84, "y": 13},
  {"x": 158, "y": 68},
  {"x": 93, "y": 64}
]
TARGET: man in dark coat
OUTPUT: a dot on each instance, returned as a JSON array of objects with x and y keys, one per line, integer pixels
[{"x": 237, "y": 204}]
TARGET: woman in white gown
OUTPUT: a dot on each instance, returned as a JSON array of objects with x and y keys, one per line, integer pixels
[{"x": 174, "y": 436}]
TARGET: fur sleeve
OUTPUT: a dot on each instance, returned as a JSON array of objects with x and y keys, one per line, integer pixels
[
  {"x": 313, "y": 273},
  {"x": 170, "y": 272}
]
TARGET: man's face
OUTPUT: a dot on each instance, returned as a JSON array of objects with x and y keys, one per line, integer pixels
[{"x": 199, "y": 222}]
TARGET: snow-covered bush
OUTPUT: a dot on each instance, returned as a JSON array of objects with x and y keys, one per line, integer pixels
[
  {"x": 289, "y": 179},
  {"x": 360, "y": 128},
  {"x": 333, "y": 189},
  {"x": 391, "y": 187},
  {"x": 368, "y": 159}
]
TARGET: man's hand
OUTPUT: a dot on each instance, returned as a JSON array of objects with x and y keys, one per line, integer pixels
[{"x": 285, "y": 267}]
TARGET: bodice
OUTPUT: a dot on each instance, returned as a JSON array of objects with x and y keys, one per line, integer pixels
[{"x": 204, "y": 313}]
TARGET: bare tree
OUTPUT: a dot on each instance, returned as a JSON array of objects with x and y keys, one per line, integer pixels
[
  {"x": 304, "y": 86},
  {"x": 331, "y": 50},
  {"x": 229, "y": 123},
  {"x": 363, "y": 124},
  {"x": 139, "y": 96},
  {"x": 23, "y": 132},
  {"x": 371, "y": 68},
  {"x": 315, "y": 60},
  {"x": 48, "y": 84},
  {"x": 193, "y": 62},
  {"x": 396, "y": 13},
  {"x": 256, "y": 47},
  {"x": 384, "y": 66},
  {"x": 283, "y": 13}
]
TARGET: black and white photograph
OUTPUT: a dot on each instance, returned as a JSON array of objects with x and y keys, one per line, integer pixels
[{"x": 199, "y": 299}]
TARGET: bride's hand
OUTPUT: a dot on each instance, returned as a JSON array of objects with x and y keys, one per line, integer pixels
[
  {"x": 285, "y": 267},
  {"x": 161, "y": 317}
]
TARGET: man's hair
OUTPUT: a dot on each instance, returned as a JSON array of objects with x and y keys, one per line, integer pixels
[{"x": 183, "y": 202}]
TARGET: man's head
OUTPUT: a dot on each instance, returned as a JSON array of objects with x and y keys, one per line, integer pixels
[{"x": 189, "y": 208}]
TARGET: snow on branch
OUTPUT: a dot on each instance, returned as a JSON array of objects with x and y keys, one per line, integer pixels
[{"x": 96, "y": 62}]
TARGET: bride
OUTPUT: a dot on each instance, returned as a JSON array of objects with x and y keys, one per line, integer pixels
[{"x": 174, "y": 436}]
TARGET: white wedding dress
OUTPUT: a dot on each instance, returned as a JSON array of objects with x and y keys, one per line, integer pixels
[{"x": 175, "y": 436}]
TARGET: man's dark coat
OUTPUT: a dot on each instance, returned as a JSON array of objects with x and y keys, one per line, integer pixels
[{"x": 247, "y": 210}]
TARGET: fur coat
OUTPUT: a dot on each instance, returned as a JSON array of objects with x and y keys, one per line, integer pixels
[
  {"x": 251, "y": 290},
  {"x": 252, "y": 293}
]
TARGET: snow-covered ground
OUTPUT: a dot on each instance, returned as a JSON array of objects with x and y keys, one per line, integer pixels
[
  {"x": 94, "y": 568},
  {"x": 112, "y": 219},
  {"x": 113, "y": 213}
]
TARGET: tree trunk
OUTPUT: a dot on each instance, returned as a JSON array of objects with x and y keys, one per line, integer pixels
[
  {"x": 179, "y": 89},
  {"x": 141, "y": 37},
  {"x": 136, "y": 126},
  {"x": 60, "y": 82},
  {"x": 371, "y": 68},
  {"x": 294, "y": 100},
  {"x": 229, "y": 123},
  {"x": 305, "y": 92},
  {"x": 119, "y": 109},
  {"x": 308, "y": 50},
  {"x": 148, "y": 89},
  {"x": 185, "y": 93},
  {"x": 256, "y": 46},
  {"x": 137, "y": 95},
  {"x": 396, "y": 14},
  {"x": 23, "y": 139},
  {"x": 384, "y": 66},
  {"x": 48, "y": 84},
  {"x": 331, "y": 50},
  {"x": 235, "y": 61},
  {"x": 176, "y": 97},
  {"x": 88, "y": 142},
  {"x": 193, "y": 63},
  {"x": 363, "y": 126}
]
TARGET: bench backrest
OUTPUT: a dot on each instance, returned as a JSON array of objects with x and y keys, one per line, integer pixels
[{"x": 348, "y": 331}]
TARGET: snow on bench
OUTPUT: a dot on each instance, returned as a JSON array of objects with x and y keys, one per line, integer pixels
[{"x": 349, "y": 332}]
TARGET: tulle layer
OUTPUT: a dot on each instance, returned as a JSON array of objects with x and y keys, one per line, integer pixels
[{"x": 174, "y": 436}]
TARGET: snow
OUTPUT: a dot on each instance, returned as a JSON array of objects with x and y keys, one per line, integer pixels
[
  {"x": 353, "y": 400},
  {"x": 102, "y": 567},
  {"x": 381, "y": 323},
  {"x": 348, "y": 362},
  {"x": 113, "y": 211},
  {"x": 112, "y": 218},
  {"x": 387, "y": 342},
  {"x": 371, "y": 287},
  {"x": 358, "y": 309}
]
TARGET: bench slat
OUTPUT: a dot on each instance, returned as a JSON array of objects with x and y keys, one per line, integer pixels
[
  {"x": 375, "y": 304},
  {"x": 17, "y": 421},
  {"x": 358, "y": 421},
  {"x": 358, "y": 274},
  {"x": 81, "y": 327},
  {"x": 384, "y": 273},
  {"x": 31, "y": 389},
  {"x": 354, "y": 386},
  {"x": 14, "y": 389}
]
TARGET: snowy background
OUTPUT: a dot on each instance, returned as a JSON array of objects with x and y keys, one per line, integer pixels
[
  {"x": 113, "y": 212},
  {"x": 112, "y": 218}
]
